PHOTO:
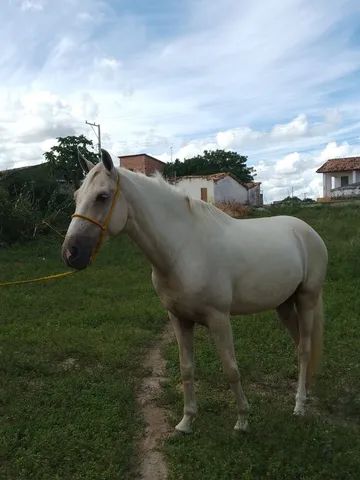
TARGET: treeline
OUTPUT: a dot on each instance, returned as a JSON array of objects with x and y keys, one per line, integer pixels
[
  {"x": 210, "y": 162},
  {"x": 37, "y": 196},
  {"x": 28, "y": 198}
]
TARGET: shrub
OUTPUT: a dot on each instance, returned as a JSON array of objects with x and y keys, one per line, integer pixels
[
  {"x": 234, "y": 209},
  {"x": 18, "y": 217}
]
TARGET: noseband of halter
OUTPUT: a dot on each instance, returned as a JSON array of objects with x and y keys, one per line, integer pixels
[{"x": 104, "y": 226}]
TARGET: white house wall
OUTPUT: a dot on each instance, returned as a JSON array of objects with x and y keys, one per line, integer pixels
[
  {"x": 254, "y": 196},
  {"x": 229, "y": 190},
  {"x": 326, "y": 184},
  {"x": 346, "y": 192},
  {"x": 337, "y": 178},
  {"x": 193, "y": 186}
]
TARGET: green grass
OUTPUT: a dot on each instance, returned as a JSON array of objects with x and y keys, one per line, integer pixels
[
  {"x": 70, "y": 358},
  {"x": 71, "y": 354},
  {"x": 326, "y": 443}
]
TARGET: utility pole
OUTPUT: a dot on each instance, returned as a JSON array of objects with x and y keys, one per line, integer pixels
[
  {"x": 171, "y": 153},
  {"x": 98, "y": 134}
]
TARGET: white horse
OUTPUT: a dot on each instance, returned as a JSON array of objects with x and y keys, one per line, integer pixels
[{"x": 207, "y": 266}]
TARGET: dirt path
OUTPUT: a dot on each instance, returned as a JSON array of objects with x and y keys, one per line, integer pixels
[{"x": 153, "y": 466}]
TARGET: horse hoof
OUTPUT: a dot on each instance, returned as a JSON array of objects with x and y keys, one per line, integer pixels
[
  {"x": 184, "y": 427},
  {"x": 176, "y": 434},
  {"x": 242, "y": 426},
  {"x": 182, "y": 431},
  {"x": 299, "y": 411}
]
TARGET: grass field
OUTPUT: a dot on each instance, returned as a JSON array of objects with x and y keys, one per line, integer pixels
[
  {"x": 326, "y": 443},
  {"x": 70, "y": 357}
]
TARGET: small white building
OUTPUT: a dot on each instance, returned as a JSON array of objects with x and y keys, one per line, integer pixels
[
  {"x": 341, "y": 177},
  {"x": 221, "y": 188}
]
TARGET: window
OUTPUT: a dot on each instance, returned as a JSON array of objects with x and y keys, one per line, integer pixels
[
  {"x": 203, "y": 193},
  {"x": 344, "y": 181}
]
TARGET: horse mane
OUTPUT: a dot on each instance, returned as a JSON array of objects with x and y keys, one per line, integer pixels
[{"x": 203, "y": 210}]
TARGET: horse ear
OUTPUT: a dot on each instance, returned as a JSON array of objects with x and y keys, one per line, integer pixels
[
  {"x": 107, "y": 160},
  {"x": 89, "y": 165},
  {"x": 85, "y": 164}
]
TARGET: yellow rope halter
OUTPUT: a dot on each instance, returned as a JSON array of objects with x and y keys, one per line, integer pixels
[{"x": 103, "y": 227}]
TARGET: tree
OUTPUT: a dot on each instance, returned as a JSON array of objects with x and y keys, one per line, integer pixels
[
  {"x": 296, "y": 201},
  {"x": 63, "y": 158},
  {"x": 212, "y": 162}
]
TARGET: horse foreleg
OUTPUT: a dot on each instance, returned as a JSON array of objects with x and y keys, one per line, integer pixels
[
  {"x": 184, "y": 332},
  {"x": 221, "y": 331}
]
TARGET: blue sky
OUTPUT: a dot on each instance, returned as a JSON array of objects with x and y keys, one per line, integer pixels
[{"x": 276, "y": 80}]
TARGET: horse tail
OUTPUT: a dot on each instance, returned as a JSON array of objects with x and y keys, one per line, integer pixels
[{"x": 316, "y": 340}]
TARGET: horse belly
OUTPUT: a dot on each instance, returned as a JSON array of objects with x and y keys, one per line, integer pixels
[{"x": 261, "y": 291}]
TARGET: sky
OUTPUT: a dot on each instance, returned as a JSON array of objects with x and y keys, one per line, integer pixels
[{"x": 277, "y": 81}]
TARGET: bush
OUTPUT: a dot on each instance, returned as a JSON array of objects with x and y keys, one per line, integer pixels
[
  {"x": 234, "y": 209},
  {"x": 18, "y": 217},
  {"x": 24, "y": 216}
]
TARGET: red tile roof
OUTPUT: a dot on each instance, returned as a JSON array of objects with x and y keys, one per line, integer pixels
[
  {"x": 250, "y": 185},
  {"x": 340, "y": 165}
]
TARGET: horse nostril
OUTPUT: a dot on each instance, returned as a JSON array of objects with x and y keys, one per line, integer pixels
[{"x": 74, "y": 252}]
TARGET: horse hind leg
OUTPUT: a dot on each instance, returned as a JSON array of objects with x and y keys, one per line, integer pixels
[
  {"x": 289, "y": 317},
  {"x": 221, "y": 332},
  {"x": 309, "y": 309}
]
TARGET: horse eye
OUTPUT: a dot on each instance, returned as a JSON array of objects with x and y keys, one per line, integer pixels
[{"x": 102, "y": 197}]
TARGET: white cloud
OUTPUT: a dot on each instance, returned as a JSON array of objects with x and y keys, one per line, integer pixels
[
  {"x": 35, "y": 5},
  {"x": 238, "y": 136},
  {"x": 296, "y": 128},
  {"x": 109, "y": 62},
  {"x": 333, "y": 150},
  {"x": 32, "y": 122},
  {"x": 230, "y": 74},
  {"x": 288, "y": 164}
]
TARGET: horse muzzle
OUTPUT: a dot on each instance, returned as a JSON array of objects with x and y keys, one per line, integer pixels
[{"x": 77, "y": 253}]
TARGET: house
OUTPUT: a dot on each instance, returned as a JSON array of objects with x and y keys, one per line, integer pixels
[
  {"x": 341, "y": 177},
  {"x": 221, "y": 188},
  {"x": 143, "y": 163}
]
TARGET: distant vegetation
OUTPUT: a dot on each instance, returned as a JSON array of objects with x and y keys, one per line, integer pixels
[
  {"x": 63, "y": 158},
  {"x": 294, "y": 201},
  {"x": 29, "y": 196},
  {"x": 212, "y": 162}
]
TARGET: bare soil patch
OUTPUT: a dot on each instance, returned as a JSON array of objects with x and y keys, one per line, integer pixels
[{"x": 152, "y": 462}]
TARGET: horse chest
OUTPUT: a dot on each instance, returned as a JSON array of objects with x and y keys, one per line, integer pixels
[{"x": 181, "y": 298}]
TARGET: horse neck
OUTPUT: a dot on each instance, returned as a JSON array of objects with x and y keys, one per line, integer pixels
[{"x": 157, "y": 221}]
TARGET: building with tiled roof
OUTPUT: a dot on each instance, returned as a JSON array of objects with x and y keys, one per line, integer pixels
[
  {"x": 341, "y": 177},
  {"x": 221, "y": 188}
]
